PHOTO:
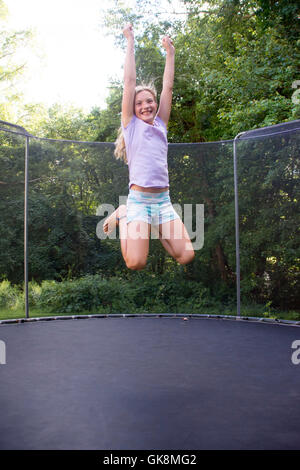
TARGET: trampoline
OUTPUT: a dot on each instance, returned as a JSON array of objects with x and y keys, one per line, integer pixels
[{"x": 149, "y": 382}]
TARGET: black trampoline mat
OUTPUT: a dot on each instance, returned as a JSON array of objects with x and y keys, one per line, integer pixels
[{"x": 149, "y": 383}]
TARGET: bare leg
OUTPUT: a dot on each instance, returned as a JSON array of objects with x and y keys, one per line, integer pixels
[
  {"x": 134, "y": 240},
  {"x": 175, "y": 239},
  {"x": 167, "y": 246}
]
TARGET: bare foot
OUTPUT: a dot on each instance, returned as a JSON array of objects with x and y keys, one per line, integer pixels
[
  {"x": 113, "y": 220},
  {"x": 110, "y": 223}
]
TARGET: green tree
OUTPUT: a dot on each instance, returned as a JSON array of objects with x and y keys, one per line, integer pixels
[{"x": 11, "y": 69}]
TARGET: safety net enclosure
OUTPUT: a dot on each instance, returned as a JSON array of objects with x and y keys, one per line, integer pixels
[
  {"x": 69, "y": 183},
  {"x": 178, "y": 380}
]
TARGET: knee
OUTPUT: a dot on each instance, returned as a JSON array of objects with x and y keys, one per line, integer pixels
[
  {"x": 187, "y": 257},
  {"x": 136, "y": 264}
]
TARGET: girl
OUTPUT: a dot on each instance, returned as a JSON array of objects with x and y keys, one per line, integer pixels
[{"x": 142, "y": 143}]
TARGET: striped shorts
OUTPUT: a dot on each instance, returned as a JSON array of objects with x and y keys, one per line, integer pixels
[{"x": 153, "y": 208}]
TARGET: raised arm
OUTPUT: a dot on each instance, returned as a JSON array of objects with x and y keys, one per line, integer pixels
[
  {"x": 165, "y": 103},
  {"x": 129, "y": 77}
]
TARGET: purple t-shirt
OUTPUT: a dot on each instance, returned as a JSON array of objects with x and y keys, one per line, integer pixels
[{"x": 147, "y": 150}]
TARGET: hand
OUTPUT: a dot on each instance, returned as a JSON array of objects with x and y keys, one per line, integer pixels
[
  {"x": 128, "y": 31},
  {"x": 168, "y": 44}
]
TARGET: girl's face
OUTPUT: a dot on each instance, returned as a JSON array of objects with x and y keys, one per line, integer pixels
[{"x": 145, "y": 106}]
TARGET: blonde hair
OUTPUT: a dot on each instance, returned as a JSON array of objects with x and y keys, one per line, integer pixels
[{"x": 120, "y": 148}]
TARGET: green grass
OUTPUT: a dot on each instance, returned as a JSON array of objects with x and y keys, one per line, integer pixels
[{"x": 247, "y": 311}]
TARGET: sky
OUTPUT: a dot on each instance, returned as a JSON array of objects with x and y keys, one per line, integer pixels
[{"x": 72, "y": 60}]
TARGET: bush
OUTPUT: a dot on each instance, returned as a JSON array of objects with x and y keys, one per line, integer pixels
[
  {"x": 9, "y": 295},
  {"x": 140, "y": 293},
  {"x": 34, "y": 293}
]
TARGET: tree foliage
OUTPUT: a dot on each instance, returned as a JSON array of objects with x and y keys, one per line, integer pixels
[
  {"x": 236, "y": 62},
  {"x": 11, "y": 68}
]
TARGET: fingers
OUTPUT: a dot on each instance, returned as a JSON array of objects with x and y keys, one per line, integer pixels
[
  {"x": 167, "y": 43},
  {"x": 128, "y": 27},
  {"x": 128, "y": 30},
  {"x": 167, "y": 39}
]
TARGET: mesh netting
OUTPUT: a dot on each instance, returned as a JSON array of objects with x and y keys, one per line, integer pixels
[
  {"x": 269, "y": 172},
  {"x": 68, "y": 181},
  {"x": 12, "y": 148}
]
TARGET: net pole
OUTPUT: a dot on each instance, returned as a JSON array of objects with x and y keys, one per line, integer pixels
[
  {"x": 26, "y": 228},
  {"x": 237, "y": 231}
]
